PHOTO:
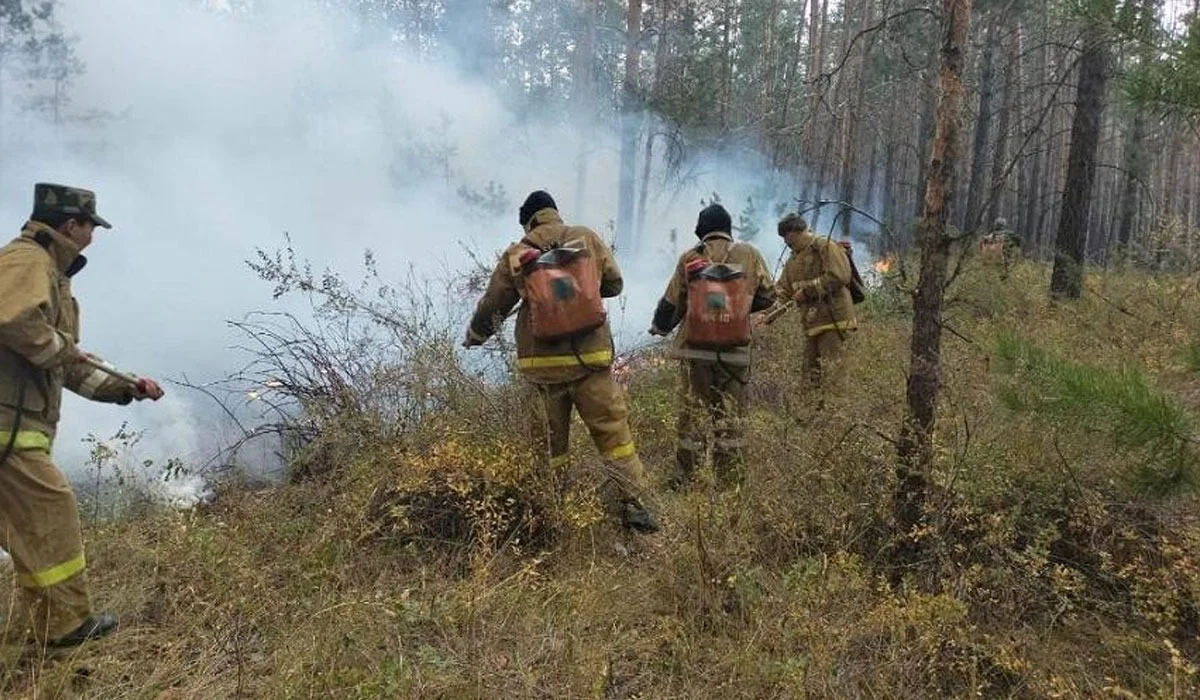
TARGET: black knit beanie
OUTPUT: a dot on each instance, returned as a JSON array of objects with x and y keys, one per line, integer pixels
[
  {"x": 713, "y": 218},
  {"x": 535, "y": 202}
]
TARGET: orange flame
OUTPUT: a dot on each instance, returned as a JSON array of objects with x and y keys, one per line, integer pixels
[{"x": 884, "y": 264}]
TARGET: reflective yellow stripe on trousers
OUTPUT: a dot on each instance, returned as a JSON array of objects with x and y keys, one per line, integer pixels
[
  {"x": 26, "y": 440},
  {"x": 623, "y": 452},
  {"x": 588, "y": 358},
  {"x": 54, "y": 575}
]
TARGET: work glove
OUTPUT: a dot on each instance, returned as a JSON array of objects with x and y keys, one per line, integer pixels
[
  {"x": 472, "y": 340},
  {"x": 147, "y": 388}
]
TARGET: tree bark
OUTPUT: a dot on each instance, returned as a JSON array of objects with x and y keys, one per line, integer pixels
[
  {"x": 983, "y": 128},
  {"x": 789, "y": 81},
  {"x": 1033, "y": 197},
  {"x": 582, "y": 94},
  {"x": 1000, "y": 160},
  {"x": 816, "y": 59},
  {"x": 889, "y": 196},
  {"x": 767, "y": 89},
  {"x": 925, "y": 130},
  {"x": 915, "y": 447},
  {"x": 1066, "y": 282},
  {"x": 726, "y": 95},
  {"x": 629, "y": 127}
]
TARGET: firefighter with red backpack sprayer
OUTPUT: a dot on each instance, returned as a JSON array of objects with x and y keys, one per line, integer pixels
[
  {"x": 564, "y": 345},
  {"x": 716, "y": 286}
]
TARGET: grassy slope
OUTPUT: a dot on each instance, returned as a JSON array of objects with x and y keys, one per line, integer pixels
[{"x": 778, "y": 591}]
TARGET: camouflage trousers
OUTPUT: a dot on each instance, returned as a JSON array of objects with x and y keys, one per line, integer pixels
[
  {"x": 604, "y": 410},
  {"x": 712, "y": 400},
  {"x": 39, "y": 528}
]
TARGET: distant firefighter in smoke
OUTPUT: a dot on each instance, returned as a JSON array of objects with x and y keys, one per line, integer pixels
[
  {"x": 1000, "y": 247},
  {"x": 817, "y": 279},
  {"x": 39, "y": 356}
]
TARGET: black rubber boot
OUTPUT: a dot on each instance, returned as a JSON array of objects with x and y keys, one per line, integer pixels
[
  {"x": 94, "y": 627},
  {"x": 729, "y": 469},
  {"x": 634, "y": 516},
  {"x": 685, "y": 470}
]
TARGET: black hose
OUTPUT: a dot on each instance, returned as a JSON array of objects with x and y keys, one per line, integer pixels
[{"x": 16, "y": 427}]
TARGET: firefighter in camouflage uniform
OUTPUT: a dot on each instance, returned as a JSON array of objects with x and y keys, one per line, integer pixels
[
  {"x": 573, "y": 373},
  {"x": 39, "y": 356}
]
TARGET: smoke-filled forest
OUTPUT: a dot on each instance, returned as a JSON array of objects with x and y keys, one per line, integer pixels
[{"x": 965, "y": 447}]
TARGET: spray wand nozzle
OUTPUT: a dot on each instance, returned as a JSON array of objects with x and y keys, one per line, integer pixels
[{"x": 108, "y": 369}]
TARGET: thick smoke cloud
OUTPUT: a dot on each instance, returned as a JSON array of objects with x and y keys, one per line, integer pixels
[{"x": 219, "y": 132}]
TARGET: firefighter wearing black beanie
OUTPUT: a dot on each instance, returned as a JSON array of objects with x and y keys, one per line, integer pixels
[
  {"x": 571, "y": 371},
  {"x": 713, "y": 218},
  {"x": 535, "y": 202}
]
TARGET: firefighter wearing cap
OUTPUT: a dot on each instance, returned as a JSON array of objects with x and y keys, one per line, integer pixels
[
  {"x": 39, "y": 356},
  {"x": 712, "y": 393},
  {"x": 817, "y": 278},
  {"x": 573, "y": 373}
]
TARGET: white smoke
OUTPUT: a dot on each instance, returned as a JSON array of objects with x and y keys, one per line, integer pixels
[{"x": 226, "y": 130}]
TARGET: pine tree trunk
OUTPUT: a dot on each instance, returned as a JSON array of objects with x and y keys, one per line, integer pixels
[
  {"x": 853, "y": 128},
  {"x": 582, "y": 95},
  {"x": 1066, "y": 282},
  {"x": 656, "y": 89},
  {"x": 983, "y": 126},
  {"x": 925, "y": 131},
  {"x": 868, "y": 197},
  {"x": 889, "y": 196},
  {"x": 1000, "y": 156},
  {"x": 1194, "y": 192},
  {"x": 625, "y": 238},
  {"x": 816, "y": 59},
  {"x": 915, "y": 447},
  {"x": 1031, "y": 201},
  {"x": 726, "y": 94},
  {"x": 644, "y": 194},
  {"x": 1170, "y": 204},
  {"x": 789, "y": 82},
  {"x": 767, "y": 93}
]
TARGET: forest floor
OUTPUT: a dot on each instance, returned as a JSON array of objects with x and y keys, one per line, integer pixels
[{"x": 1060, "y": 558}]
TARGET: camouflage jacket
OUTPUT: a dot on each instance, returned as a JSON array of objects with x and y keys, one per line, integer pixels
[
  {"x": 548, "y": 362},
  {"x": 39, "y": 329},
  {"x": 672, "y": 307},
  {"x": 816, "y": 277}
]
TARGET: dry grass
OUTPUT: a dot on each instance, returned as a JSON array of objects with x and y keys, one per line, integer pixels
[{"x": 1045, "y": 575}]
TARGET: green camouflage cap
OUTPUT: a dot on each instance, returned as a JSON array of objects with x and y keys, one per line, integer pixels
[{"x": 51, "y": 200}]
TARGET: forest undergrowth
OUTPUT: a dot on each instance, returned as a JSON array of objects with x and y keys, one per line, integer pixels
[{"x": 418, "y": 552}]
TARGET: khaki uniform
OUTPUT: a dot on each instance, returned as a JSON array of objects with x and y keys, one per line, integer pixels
[
  {"x": 816, "y": 277},
  {"x": 39, "y": 518},
  {"x": 1000, "y": 248},
  {"x": 712, "y": 387},
  {"x": 569, "y": 374}
]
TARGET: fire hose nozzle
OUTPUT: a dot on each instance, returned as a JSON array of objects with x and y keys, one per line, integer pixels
[
  {"x": 108, "y": 369},
  {"x": 778, "y": 311}
]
